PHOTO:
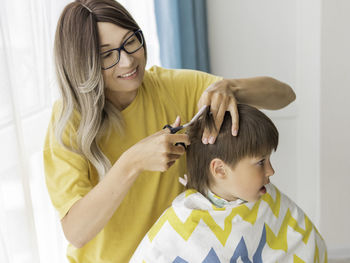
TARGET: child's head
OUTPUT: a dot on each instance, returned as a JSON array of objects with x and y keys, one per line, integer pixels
[{"x": 235, "y": 166}]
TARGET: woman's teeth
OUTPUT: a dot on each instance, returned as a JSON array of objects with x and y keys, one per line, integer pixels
[{"x": 128, "y": 74}]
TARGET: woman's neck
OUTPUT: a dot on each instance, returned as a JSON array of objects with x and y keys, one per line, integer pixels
[{"x": 121, "y": 100}]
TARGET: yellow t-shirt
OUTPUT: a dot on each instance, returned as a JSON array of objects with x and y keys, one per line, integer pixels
[{"x": 163, "y": 95}]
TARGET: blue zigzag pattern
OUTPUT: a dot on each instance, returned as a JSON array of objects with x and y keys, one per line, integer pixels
[{"x": 240, "y": 252}]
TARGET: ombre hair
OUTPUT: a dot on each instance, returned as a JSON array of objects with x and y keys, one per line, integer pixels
[
  {"x": 79, "y": 75},
  {"x": 257, "y": 136}
]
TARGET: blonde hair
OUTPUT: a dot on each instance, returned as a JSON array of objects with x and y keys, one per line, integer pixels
[{"x": 78, "y": 71}]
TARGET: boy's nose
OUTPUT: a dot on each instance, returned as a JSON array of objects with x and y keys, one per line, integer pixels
[{"x": 269, "y": 170}]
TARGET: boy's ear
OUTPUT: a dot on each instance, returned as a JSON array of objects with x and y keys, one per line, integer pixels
[{"x": 217, "y": 168}]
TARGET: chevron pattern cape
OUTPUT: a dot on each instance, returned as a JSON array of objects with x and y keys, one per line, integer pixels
[{"x": 273, "y": 229}]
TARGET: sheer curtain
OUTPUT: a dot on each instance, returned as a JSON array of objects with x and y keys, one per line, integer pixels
[{"x": 29, "y": 226}]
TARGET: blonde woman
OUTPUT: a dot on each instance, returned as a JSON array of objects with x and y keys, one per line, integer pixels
[{"x": 111, "y": 170}]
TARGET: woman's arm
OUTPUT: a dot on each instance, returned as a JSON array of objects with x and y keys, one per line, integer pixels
[
  {"x": 88, "y": 216},
  {"x": 223, "y": 95},
  {"x": 262, "y": 92}
]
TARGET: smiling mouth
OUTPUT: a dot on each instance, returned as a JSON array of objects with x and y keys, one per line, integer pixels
[{"x": 127, "y": 75}]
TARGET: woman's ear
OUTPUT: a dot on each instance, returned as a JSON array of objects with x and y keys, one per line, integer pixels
[{"x": 218, "y": 168}]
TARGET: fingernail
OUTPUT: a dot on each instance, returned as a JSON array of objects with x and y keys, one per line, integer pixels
[
  {"x": 211, "y": 140},
  {"x": 205, "y": 140},
  {"x": 234, "y": 132}
]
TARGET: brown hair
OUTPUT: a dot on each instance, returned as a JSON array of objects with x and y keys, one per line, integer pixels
[
  {"x": 257, "y": 136},
  {"x": 80, "y": 80}
]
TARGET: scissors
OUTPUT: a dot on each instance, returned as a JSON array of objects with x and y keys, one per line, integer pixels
[{"x": 179, "y": 128}]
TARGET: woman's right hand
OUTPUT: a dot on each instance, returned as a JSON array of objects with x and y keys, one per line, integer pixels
[{"x": 156, "y": 152}]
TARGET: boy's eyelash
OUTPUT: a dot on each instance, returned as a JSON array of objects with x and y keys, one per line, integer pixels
[{"x": 261, "y": 162}]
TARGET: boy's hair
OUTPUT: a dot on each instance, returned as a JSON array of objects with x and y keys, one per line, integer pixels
[{"x": 257, "y": 136}]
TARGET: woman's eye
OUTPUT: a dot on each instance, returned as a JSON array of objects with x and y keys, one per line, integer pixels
[
  {"x": 107, "y": 55},
  {"x": 131, "y": 41}
]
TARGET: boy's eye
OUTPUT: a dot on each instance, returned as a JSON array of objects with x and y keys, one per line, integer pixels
[{"x": 261, "y": 162}]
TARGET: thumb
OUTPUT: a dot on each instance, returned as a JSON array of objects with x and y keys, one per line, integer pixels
[{"x": 177, "y": 122}]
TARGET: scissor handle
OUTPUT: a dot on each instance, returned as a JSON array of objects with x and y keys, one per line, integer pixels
[
  {"x": 175, "y": 130},
  {"x": 172, "y": 129}
]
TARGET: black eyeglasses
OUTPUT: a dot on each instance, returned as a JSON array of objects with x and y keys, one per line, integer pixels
[{"x": 111, "y": 57}]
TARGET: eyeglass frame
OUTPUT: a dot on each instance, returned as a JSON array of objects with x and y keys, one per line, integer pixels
[{"x": 119, "y": 49}]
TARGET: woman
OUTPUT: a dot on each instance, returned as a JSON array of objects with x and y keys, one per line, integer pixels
[{"x": 111, "y": 169}]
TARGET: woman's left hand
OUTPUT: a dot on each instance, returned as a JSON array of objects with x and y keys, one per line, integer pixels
[{"x": 220, "y": 97}]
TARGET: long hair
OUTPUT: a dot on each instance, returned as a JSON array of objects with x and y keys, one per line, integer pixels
[
  {"x": 79, "y": 76},
  {"x": 257, "y": 136}
]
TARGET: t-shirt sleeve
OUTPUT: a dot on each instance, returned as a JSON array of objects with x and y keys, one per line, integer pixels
[
  {"x": 186, "y": 86},
  {"x": 66, "y": 172}
]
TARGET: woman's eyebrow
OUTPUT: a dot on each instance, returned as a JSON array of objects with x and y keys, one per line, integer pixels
[{"x": 124, "y": 37}]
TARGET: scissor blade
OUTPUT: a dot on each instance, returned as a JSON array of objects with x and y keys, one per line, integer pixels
[{"x": 199, "y": 113}]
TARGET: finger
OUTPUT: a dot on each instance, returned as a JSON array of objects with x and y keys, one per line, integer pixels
[
  {"x": 218, "y": 122},
  {"x": 164, "y": 131},
  {"x": 170, "y": 164},
  {"x": 174, "y": 138},
  {"x": 216, "y": 101},
  {"x": 165, "y": 166},
  {"x": 232, "y": 108},
  {"x": 176, "y": 149},
  {"x": 213, "y": 110},
  {"x": 177, "y": 122},
  {"x": 211, "y": 86},
  {"x": 215, "y": 104},
  {"x": 220, "y": 115},
  {"x": 173, "y": 157},
  {"x": 204, "y": 100}
]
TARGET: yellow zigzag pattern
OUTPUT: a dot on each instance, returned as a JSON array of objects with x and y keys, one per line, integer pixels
[
  {"x": 317, "y": 257},
  {"x": 296, "y": 259},
  {"x": 185, "y": 229},
  {"x": 280, "y": 241},
  {"x": 274, "y": 205}
]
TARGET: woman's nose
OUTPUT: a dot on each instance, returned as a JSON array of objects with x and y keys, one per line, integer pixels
[{"x": 125, "y": 59}]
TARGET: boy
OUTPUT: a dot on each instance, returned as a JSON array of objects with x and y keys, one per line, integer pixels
[{"x": 230, "y": 209}]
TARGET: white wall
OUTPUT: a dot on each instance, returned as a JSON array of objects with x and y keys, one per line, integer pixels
[
  {"x": 245, "y": 41},
  {"x": 335, "y": 122},
  {"x": 307, "y": 45}
]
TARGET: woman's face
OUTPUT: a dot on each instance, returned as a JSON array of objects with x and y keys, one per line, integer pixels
[{"x": 126, "y": 76}]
